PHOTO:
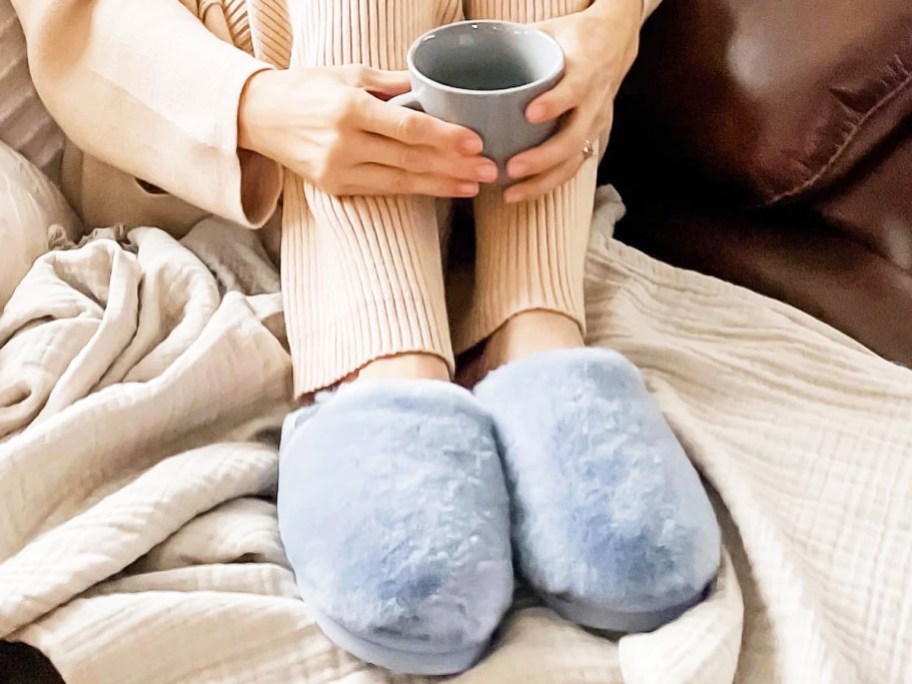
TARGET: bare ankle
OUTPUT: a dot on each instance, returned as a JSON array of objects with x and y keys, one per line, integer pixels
[
  {"x": 528, "y": 333},
  {"x": 406, "y": 367}
]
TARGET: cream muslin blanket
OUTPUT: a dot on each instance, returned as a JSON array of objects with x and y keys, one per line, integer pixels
[{"x": 142, "y": 380}]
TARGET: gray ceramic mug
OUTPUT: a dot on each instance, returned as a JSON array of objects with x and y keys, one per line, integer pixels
[{"x": 483, "y": 75}]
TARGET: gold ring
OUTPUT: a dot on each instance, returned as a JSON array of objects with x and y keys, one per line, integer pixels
[{"x": 589, "y": 150}]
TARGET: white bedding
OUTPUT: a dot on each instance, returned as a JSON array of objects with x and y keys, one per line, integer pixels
[{"x": 140, "y": 388}]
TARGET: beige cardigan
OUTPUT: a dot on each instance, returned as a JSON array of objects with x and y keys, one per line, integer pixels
[{"x": 146, "y": 90}]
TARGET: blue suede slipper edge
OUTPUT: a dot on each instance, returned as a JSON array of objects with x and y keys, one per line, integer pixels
[
  {"x": 628, "y": 447},
  {"x": 397, "y": 661},
  {"x": 400, "y": 653}
]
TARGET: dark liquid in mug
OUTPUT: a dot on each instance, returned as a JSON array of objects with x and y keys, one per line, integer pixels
[{"x": 481, "y": 72}]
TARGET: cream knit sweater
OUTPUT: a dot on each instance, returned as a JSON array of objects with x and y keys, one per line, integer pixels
[
  {"x": 149, "y": 91},
  {"x": 147, "y": 88}
]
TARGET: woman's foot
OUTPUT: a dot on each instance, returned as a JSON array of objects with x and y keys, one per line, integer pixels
[
  {"x": 529, "y": 333},
  {"x": 405, "y": 367},
  {"x": 523, "y": 335},
  {"x": 394, "y": 516},
  {"x": 610, "y": 521}
]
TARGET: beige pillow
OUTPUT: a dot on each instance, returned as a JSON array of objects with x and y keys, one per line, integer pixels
[
  {"x": 25, "y": 124},
  {"x": 30, "y": 205}
]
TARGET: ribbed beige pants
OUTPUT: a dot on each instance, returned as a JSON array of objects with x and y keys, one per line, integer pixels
[{"x": 364, "y": 277}]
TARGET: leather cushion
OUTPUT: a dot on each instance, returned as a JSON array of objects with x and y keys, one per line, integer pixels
[
  {"x": 874, "y": 203},
  {"x": 787, "y": 255},
  {"x": 777, "y": 98}
]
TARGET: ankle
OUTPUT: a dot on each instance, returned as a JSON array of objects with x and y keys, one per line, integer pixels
[
  {"x": 529, "y": 333},
  {"x": 412, "y": 366}
]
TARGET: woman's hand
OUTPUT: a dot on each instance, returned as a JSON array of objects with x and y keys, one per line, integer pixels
[
  {"x": 332, "y": 126},
  {"x": 600, "y": 43}
]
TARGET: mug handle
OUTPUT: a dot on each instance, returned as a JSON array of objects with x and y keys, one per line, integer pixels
[{"x": 409, "y": 100}]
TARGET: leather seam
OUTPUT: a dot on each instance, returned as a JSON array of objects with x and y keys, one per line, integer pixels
[{"x": 855, "y": 128}]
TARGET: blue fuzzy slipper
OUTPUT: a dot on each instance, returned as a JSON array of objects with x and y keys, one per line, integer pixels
[
  {"x": 394, "y": 515},
  {"x": 611, "y": 523}
]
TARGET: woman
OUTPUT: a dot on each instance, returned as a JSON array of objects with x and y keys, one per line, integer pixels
[{"x": 396, "y": 492}]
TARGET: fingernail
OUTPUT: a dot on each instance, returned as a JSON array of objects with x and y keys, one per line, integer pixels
[
  {"x": 468, "y": 189},
  {"x": 512, "y": 196},
  {"x": 487, "y": 173},
  {"x": 535, "y": 113},
  {"x": 472, "y": 146},
  {"x": 516, "y": 169}
]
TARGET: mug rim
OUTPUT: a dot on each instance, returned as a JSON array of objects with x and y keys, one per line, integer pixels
[{"x": 428, "y": 81}]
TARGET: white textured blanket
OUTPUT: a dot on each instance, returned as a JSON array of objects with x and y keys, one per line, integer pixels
[{"x": 141, "y": 383}]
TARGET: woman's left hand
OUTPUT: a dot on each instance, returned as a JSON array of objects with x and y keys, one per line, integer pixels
[{"x": 599, "y": 43}]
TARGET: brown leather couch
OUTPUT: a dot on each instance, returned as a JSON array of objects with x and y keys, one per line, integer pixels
[{"x": 770, "y": 144}]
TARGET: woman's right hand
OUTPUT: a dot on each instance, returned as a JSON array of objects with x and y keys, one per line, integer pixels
[{"x": 332, "y": 126}]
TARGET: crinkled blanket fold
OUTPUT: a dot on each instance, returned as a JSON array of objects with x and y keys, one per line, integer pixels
[{"x": 141, "y": 383}]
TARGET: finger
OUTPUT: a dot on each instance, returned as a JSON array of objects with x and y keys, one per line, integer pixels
[
  {"x": 423, "y": 159},
  {"x": 385, "y": 83},
  {"x": 565, "y": 144},
  {"x": 376, "y": 81},
  {"x": 416, "y": 128},
  {"x": 374, "y": 179},
  {"x": 566, "y": 95},
  {"x": 544, "y": 183}
]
